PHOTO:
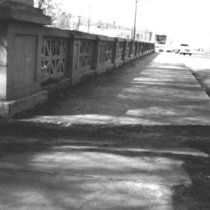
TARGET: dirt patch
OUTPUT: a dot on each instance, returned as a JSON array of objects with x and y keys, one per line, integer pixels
[
  {"x": 195, "y": 196},
  {"x": 203, "y": 78},
  {"x": 200, "y": 69}
]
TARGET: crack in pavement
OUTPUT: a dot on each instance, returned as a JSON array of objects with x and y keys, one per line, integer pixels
[{"x": 186, "y": 183}]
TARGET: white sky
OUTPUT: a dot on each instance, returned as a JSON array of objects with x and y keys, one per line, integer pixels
[{"x": 180, "y": 18}]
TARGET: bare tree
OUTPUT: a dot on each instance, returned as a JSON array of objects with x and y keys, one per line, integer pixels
[
  {"x": 64, "y": 21},
  {"x": 50, "y": 8},
  {"x": 39, "y": 3}
]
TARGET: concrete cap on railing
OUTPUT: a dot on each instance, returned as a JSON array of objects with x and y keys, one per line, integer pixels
[
  {"x": 20, "y": 6},
  {"x": 105, "y": 38},
  {"x": 82, "y": 35},
  {"x": 119, "y": 39},
  {"x": 23, "y": 10},
  {"x": 26, "y": 2}
]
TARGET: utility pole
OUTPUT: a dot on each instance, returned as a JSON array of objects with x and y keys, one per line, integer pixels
[
  {"x": 134, "y": 28},
  {"x": 78, "y": 24},
  {"x": 89, "y": 19}
]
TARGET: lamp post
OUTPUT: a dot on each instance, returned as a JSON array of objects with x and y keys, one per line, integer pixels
[
  {"x": 134, "y": 28},
  {"x": 89, "y": 19}
]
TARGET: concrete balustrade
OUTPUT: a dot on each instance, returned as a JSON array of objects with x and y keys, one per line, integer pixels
[{"x": 35, "y": 59}]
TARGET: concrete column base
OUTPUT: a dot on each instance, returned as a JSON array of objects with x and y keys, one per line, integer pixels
[
  {"x": 9, "y": 108},
  {"x": 62, "y": 84},
  {"x": 119, "y": 63}
]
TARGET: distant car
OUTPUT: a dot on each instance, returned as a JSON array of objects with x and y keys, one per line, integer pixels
[
  {"x": 176, "y": 49},
  {"x": 159, "y": 48},
  {"x": 168, "y": 49},
  {"x": 183, "y": 49},
  {"x": 185, "y": 52}
]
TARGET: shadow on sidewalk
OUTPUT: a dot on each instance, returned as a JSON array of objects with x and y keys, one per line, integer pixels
[
  {"x": 59, "y": 171},
  {"x": 95, "y": 165},
  {"x": 149, "y": 91},
  {"x": 98, "y": 95}
]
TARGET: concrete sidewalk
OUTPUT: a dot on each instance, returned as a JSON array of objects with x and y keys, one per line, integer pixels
[
  {"x": 155, "y": 90},
  {"x": 114, "y": 168},
  {"x": 90, "y": 178}
]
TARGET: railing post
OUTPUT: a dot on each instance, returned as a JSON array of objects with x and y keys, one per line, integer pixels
[
  {"x": 115, "y": 51},
  {"x": 68, "y": 70},
  {"x": 131, "y": 49},
  {"x": 127, "y": 51},
  {"x": 137, "y": 49},
  {"x": 74, "y": 58},
  {"x": 124, "y": 50},
  {"x": 21, "y": 50},
  {"x": 120, "y": 47},
  {"x": 96, "y": 52}
]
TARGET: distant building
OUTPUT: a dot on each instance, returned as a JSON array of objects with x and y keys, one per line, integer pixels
[
  {"x": 125, "y": 34},
  {"x": 160, "y": 39},
  {"x": 144, "y": 36}
]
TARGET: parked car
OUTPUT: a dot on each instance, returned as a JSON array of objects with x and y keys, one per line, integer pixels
[
  {"x": 168, "y": 49},
  {"x": 183, "y": 49},
  {"x": 159, "y": 48}
]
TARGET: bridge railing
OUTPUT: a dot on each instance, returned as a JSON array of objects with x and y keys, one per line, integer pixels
[{"x": 35, "y": 59}]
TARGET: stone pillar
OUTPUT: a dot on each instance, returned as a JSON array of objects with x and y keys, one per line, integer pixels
[
  {"x": 124, "y": 50},
  {"x": 143, "y": 47},
  {"x": 3, "y": 59},
  {"x": 126, "y": 53},
  {"x": 74, "y": 60},
  {"x": 137, "y": 49},
  {"x": 21, "y": 27},
  {"x": 119, "y": 60},
  {"x": 96, "y": 53},
  {"x": 115, "y": 51},
  {"x": 26, "y": 2}
]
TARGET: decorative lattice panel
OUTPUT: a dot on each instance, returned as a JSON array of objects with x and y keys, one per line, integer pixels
[
  {"x": 106, "y": 52},
  {"x": 139, "y": 51},
  {"x": 86, "y": 53},
  {"x": 120, "y": 52},
  {"x": 128, "y": 49},
  {"x": 53, "y": 57},
  {"x": 141, "y": 47},
  {"x": 133, "y": 49},
  {"x": 137, "y": 48}
]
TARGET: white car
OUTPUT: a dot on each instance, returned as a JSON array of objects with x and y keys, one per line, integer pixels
[{"x": 184, "y": 49}]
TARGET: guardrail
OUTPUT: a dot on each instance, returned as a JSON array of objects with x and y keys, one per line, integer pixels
[
  {"x": 76, "y": 54},
  {"x": 36, "y": 59}
]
